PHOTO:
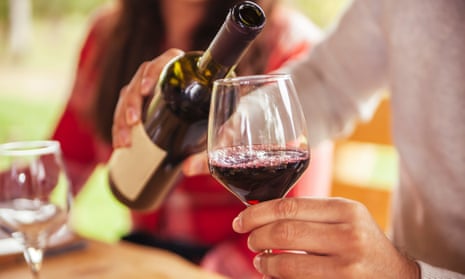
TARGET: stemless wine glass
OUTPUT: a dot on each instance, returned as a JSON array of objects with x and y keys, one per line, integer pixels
[
  {"x": 35, "y": 195},
  {"x": 257, "y": 136}
]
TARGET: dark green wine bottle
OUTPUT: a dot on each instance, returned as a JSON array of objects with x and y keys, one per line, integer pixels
[{"x": 175, "y": 121}]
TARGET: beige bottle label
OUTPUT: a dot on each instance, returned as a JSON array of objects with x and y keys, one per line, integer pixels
[{"x": 132, "y": 167}]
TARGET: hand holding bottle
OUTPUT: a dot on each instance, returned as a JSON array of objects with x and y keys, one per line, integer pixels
[{"x": 129, "y": 107}]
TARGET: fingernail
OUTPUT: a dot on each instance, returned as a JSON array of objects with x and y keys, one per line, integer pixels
[
  {"x": 131, "y": 116},
  {"x": 256, "y": 263},
  {"x": 146, "y": 84},
  {"x": 237, "y": 223}
]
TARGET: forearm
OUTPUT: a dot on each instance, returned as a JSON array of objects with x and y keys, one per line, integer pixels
[{"x": 342, "y": 73}]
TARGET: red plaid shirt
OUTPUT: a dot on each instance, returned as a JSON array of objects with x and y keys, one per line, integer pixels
[{"x": 199, "y": 210}]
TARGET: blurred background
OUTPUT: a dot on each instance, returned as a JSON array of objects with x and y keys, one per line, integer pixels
[{"x": 40, "y": 40}]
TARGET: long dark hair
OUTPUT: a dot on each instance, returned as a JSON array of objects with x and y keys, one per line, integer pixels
[{"x": 137, "y": 37}]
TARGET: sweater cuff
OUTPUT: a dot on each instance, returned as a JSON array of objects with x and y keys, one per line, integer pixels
[{"x": 431, "y": 272}]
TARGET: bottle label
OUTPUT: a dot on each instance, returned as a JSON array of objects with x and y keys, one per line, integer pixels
[{"x": 132, "y": 167}]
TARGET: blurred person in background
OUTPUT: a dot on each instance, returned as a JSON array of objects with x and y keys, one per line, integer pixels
[
  {"x": 195, "y": 221},
  {"x": 415, "y": 48}
]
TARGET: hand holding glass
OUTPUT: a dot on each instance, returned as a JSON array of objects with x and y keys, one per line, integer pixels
[
  {"x": 257, "y": 138},
  {"x": 34, "y": 195}
]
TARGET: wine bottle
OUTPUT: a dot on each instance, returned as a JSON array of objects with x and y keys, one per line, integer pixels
[{"x": 174, "y": 123}]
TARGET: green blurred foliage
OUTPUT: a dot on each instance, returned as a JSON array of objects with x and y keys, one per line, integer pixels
[
  {"x": 55, "y": 8},
  {"x": 322, "y": 12},
  {"x": 3, "y": 9},
  {"x": 44, "y": 8},
  {"x": 28, "y": 126}
]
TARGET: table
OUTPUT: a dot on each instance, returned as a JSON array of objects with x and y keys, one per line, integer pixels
[{"x": 113, "y": 261}]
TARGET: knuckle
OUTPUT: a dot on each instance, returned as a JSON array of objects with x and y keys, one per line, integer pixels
[
  {"x": 286, "y": 208},
  {"x": 123, "y": 94},
  {"x": 358, "y": 210},
  {"x": 118, "y": 112},
  {"x": 350, "y": 235},
  {"x": 173, "y": 52},
  {"x": 142, "y": 70},
  {"x": 353, "y": 210},
  {"x": 144, "y": 66},
  {"x": 125, "y": 89},
  {"x": 284, "y": 233},
  {"x": 355, "y": 240}
]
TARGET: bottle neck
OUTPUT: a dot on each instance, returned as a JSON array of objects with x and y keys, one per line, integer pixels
[{"x": 243, "y": 23}]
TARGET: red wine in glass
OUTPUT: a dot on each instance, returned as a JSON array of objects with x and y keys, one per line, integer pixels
[{"x": 260, "y": 172}]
